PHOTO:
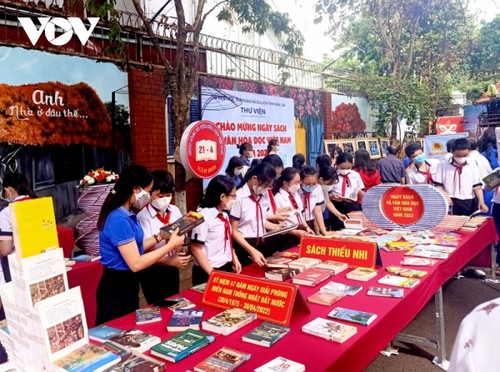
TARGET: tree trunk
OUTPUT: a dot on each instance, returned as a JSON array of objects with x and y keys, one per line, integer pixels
[{"x": 394, "y": 127}]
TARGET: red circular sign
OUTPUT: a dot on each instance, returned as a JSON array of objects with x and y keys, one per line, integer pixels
[
  {"x": 402, "y": 205},
  {"x": 202, "y": 149}
]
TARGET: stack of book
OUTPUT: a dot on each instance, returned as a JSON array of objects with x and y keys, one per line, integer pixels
[
  {"x": 399, "y": 281},
  {"x": 228, "y": 321},
  {"x": 353, "y": 316},
  {"x": 362, "y": 274},
  {"x": 304, "y": 263},
  {"x": 312, "y": 277},
  {"x": 223, "y": 360},
  {"x": 330, "y": 330},
  {"x": 281, "y": 274},
  {"x": 135, "y": 340},
  {"x": 266, "y": 334},
  {"x": 183, "y": 319}
]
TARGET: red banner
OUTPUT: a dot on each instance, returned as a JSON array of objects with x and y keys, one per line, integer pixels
[
  {"x": 270, "y": 300},
  {"x": 354, "y": 253},
  {"x": 450, "y": 124}
]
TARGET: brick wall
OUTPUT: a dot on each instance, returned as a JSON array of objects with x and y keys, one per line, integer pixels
[
  {"x": 327, "y": 114},
  {"x": 147, "y": 118}
]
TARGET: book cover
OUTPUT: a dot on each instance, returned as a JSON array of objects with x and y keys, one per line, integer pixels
[
  {"x": 179, "y": 302},
  {"x": 417, "y": 261},
  {"x": 406, "y": 272},
  {"x": 354, "y": 316},
  {"x": 281, "y": 274},
  {"x": 228, "y": 321},
  {"x": 223, "y": 360},
  {"x": 336, "y": 267},
  {"x": 278, "y": 262},
  {"x": 63, "y": 323},
  {"x": 183, "y": 319},
  {"x": 200, "y": 287},
  {"x": 281, "y": 364},
  {"x": 385, "y": 292},
  {"x": 280, "y": 231},
  {"x": 399, "y": 281},
  {"x": 324, "y": 298},
  {"x": 185, "y": 224},
  {"x": 135, "y": 340},
  {"x": 436, "y": 248},
  {"x": 304, "y": 263},
  {"x": 115, "y": 349},
  {"x": 427, "y": 254},
  {"x": 362, "y": 273},
  {"x": 87, "y": 358},
  {"x": 182, "y": 345},
  {"x": 311, "y": 277},
  {"x": 103, "y": 333},
  {"x": 341, "y": 289},
  {"x": 147, "y": 315},
  {"x": 329, "y": 330},
  {"x": 266, "y": 334},
  {"x": 287, "y": 254},
  {"x": 492, "y": 180},
  {"x": 86, "y": 258},
  {"x": 33, "y": 226},
  {"x": 137, "y": 362},
  {"x": 398, "y": 246}
]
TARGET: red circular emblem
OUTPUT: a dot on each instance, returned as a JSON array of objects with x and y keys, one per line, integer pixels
[
  {"x": 402, "y": 205},
  {"x": 202, "y": 149}
]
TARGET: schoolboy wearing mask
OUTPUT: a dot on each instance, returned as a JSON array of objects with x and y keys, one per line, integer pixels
[
  {"x": 157, "y": 213},
  {"x": 460, "y": 180},
  {"x": 421, "y": 170}
]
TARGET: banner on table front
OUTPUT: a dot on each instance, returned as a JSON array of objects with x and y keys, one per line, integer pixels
[
  {"x": 249, "y": 117},
  {"x": 435, "y": 145}
]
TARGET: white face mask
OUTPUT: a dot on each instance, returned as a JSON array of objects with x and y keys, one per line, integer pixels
[
  {"x": 229, "y": 204},
  {"x": 343, "y": 172},
  {"x": 460, "y": 160},
  {"x": 327, "y": 188},
  {"x": 238, "y": 171},
  {"x": 249, "y": 154},
  {"x": 294, "y": 188},
  {"x": 259, "y": 190},
  {"x": 162, "y": 204},
  {"x": 141, "y": 199}
]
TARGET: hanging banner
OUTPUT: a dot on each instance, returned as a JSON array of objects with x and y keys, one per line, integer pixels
[{"x": 435, "y": 145}]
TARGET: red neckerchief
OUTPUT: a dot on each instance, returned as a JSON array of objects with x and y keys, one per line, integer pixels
[
  {"x": 296, "y": 207},
  {"x": 227, "y": 234},
  {"x": 164, "y": 220},
  {"x": 307, "y": 203},
  {"x": 427, "y": 174},
  {"x": 258, "y": 211},
  {"x": 273, "y": 202},
  {"x": 458, "y": 170},
  {"x": 22, "y": 198},
  {"x": 345, "y": 182}
]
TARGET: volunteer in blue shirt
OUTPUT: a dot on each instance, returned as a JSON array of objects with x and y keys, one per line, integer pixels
[{"x": 122, "y": 244}]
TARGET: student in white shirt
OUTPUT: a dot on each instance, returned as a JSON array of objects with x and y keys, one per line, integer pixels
[
  {"x": 212, "y": 242},
  {"x": 249, "y": 217},
  {"x": 350, "y": 187},
  {"x": 312, "y": 199},
  {"x": 421, "y": 170},
  {"x": 328, "y": 178},
  {"x": 495, "y": 213},
  {"x": 161, "y": 280},
  {"x": 459, "y": 178}
]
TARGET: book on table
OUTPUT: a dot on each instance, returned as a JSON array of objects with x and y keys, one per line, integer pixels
[
  {"x": 183, "y": 319},
  {"x": 199, "y": 288},
  {"x": 312, "y": 277},
  {"x": 223, "y": 360},
  {"x": 427, "y": 254},
  {"x": 341, "y": 289},
  {"x": 174, "y": 303},
  {"x": 417, "y": 261},
  {"x": 363, "y": 274},
  {"x": 228, "y": 321},
  {"x": 148, "y": 315},
  {"x": 281, "y": 274},
  {"x": 399, "y": 281},
  {"x": 385, "y": 292},
  {"x": 85, "y": 258},
  {"x": 406, "y": 272},
  {"x": 266, "y": 334},
  {"x": 353, "y": 316},
  {"x": 185, "y": 224},
  {"x": 87, "y": 358},
  {"x": 283, "y": 230},
  {"x": 135, "y": 340},
  {"x": 324, "y": 298},
  {"x": 182, "y": 345},
  {"x": 103, "y": 333},
  {"x": 137, "y": 362},
  {"x": 329, "y": 330},
  {"x": 278, "y": 262},
  {"x": 282, "y": 365},
  {"x": 335, "y": 267},
  {"x": 304, "y": 263}
]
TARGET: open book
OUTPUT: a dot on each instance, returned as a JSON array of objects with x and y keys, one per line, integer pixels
[{"x": 280, "y": 231}]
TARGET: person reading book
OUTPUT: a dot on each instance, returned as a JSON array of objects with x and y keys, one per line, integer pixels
[
  {"x": 328, "y": 177},
  {"x": 248, "y": 215},
  {"x": 212, "y": 242},
  {"x": 157, "y": 213},
  {"x": 123, "y": 244}
]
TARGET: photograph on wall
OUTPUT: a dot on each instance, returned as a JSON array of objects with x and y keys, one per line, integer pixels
[
  {"x": 330, "y": 146},
  {"x": 350, "y": 115},
  {"x": 374, "y": 148},
  {"x": 348, "y": 146},
  {"x": 360, "y": 144},
  {"x": 384, "y": 144}
]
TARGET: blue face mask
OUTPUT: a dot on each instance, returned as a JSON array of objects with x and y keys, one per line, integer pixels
[
  {"x": 419, "y": 159},
  {"x": 308, "y": 188}
]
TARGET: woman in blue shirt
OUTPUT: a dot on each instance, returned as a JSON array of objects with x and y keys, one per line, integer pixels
[{"x": 122, "y": 244}]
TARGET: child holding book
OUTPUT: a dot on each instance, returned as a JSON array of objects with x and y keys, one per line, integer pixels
[
  {"x": 211, "y": 242},
  {"x": 123, "y": 243},
  {"x": 327, "y": 179},
  {"x": 156, "y": 214}
]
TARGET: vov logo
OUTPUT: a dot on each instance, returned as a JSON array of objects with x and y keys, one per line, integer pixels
[{"x": 69, "y": 26}]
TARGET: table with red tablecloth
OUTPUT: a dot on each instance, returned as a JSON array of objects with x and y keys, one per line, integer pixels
[{"x": 316, "y": 353}]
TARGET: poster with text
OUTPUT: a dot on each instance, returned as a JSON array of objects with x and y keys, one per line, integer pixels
[{"x": 249, "y": 117}]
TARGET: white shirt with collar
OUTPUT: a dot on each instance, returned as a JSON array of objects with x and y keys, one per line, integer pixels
[
  {"x": 211, "y": 234},
  {"x": 244, "y": 210},
  {"x": 415, "y": 177},
  {"x": 483, "y": 165},
  {"x": 151, "y": 224},
  {"x": 458, "y": 186},
  {"x": 315, "y": 198},
  {"x": 282, "y": 199},
  {"x": 352, "y": 189}
]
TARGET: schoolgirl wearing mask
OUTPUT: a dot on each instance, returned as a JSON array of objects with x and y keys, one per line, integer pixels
[
  {"x": 234, "y": 170},
  {"x": 123, "y": 243},
  {"x": 246, "y": 153},
  {"x": 157, "y": 213},
  {"x": 327, "y": 179},
  {"x": 212, "y": 242}
]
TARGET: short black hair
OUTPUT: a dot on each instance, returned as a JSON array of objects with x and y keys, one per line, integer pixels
[
  {"x": 217, "y": 186},
  {"x": 412, "y": 147},
  {"x": 344, "y": 157},
  {"x": 163, "y": 181},
  {"x": 274, "y": 160},
  {"x": 308, "y": 171},
  {"x": 449, "y": 145},
  {"x": 329, "y": 173},
  {"x": 392, "y": 150},
  {"x": 460, "y": 144},
  {"x": 323, "y": 160},
  {"x": 245, "y": 146}
]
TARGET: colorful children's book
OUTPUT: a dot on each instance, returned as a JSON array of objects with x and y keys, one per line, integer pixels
[
  {"x": 266, "y": 334},
  {"x": 147, "y": 315},
  {"x": 329, "y": 330},
  {"x": 185, "y": 224},
  {"x": 181, "y": 345},
  {"x": 103, "y": 333},
  {"x": 417, "y": 261},
  {"x": 341, "y": 289},
  {"x": 407, "y": 273},
  {"x": 183, "y": 319},
  {"x": 354, "y": 316},
  {"x": 282, "y": 365},
  {"x": 281, "y": 274},
  {"x": 324, "y": 298},
  {"x": 385, "y": 292},
  {"x": 335, "y": 267},
  {"x": 228, "y": 321},
  {"x": 223, "y": 360},
  {"x": 362, "y": 273},
  {"x": 304, "y": 263},
  {"x": 427, "y": 254},
  {"x": 87, "y": 358},
  {"x": 137, "y": 362},
  {"x": 399, "y": 281},
  {"x": 311, "y": 277},
  {"x": 135, "y": 340}
]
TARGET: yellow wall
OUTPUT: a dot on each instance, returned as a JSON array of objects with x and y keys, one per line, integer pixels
[{"x": 300, "y": 139}]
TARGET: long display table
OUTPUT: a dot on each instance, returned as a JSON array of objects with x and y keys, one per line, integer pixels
[{"x": 322, "y": 355}]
